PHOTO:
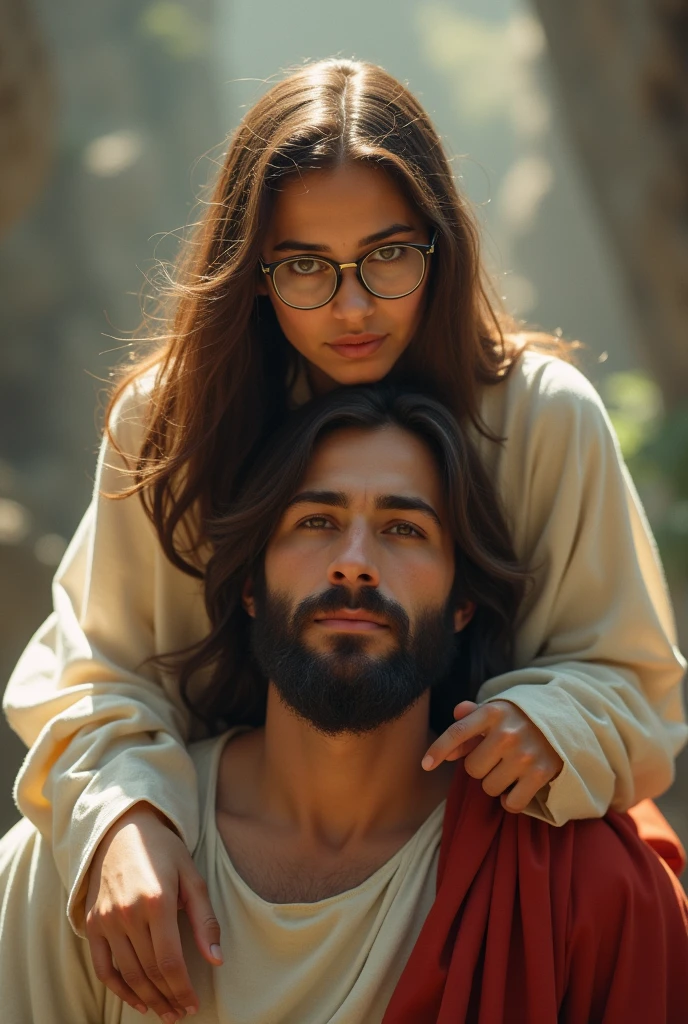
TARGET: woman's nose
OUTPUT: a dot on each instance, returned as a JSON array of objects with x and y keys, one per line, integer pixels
[{"x": 352, "y": 302}]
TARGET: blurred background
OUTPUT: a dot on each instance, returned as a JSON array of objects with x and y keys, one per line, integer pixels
[{"x": 568, "y": 127}]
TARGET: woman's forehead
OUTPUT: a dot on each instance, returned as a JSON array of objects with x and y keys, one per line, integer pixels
[{"x": 344, "y": 204}]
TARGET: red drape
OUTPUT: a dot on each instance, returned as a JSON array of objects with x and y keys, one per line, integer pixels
[{"x": 540, "y": 925}]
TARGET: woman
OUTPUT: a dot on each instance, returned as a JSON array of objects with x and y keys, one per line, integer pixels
[{"x": 335, "y": 250}]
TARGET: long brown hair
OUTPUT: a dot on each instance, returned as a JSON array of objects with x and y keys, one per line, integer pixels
[
  {"x": 223, "y": 366},
  {"x": 487, "y": 570}
]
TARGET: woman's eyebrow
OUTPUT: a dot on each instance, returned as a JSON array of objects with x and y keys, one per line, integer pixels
[
  {"x": 294, "y": 245},
  {"x": 380, "y": 236}
]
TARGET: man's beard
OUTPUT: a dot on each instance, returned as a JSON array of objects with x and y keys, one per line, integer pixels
[{"x": 348, "y": 690}]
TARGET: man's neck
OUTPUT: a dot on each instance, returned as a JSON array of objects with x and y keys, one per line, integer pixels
[
  {"x": 315, "y": 801},
  {"x": 345, "y": 786}
]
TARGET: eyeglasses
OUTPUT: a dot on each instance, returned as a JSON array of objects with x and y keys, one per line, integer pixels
[{"x": 389, "y": 272}]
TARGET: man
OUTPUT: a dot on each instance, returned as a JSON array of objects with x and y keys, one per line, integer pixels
[{"x": 351, "y": 884}]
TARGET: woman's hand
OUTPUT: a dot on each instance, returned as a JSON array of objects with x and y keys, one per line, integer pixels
[
  {"x": 141, "y": 875},
  {"x": 502, "y": 747}
]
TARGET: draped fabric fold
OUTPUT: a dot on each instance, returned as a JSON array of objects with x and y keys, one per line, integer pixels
[{"x": 540, "y": 925}]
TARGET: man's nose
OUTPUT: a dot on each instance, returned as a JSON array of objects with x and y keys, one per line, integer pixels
[
  {"x": 353, "y": 564},
  {"x": 352, "y": 302}
]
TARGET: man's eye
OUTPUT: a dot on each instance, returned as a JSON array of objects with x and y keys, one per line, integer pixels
[
  {"x": 404, "y": 530},
  {"x": 316, "y": 523}
]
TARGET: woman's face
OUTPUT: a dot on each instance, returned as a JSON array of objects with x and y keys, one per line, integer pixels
[{"x": 356, "y": 338}]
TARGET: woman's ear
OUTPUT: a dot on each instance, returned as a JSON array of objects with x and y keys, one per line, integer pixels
[
  {"x": 463, "y": 615},
  {"x": 247, "y": 598},
  {"x": 261, "y": 283}
]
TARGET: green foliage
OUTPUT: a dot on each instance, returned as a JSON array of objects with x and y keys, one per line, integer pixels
[
  {"x": 655, "y": 445},
  {"x": 634, "y": 402},
  {"x": 176, "y": 29}
]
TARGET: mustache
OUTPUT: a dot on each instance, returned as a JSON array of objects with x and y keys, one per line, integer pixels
[{"x": 340, "y": 598}]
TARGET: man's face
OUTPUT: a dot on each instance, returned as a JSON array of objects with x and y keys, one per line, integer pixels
[{"x": 353, "y": 614}]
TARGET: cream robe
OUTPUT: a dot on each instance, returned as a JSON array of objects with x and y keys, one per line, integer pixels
[
  {"x": 336, "y": 960},
  {"x": 597, "y": 669}
]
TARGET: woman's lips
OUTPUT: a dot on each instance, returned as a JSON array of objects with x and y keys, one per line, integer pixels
[{"x": 357, "y": 346}]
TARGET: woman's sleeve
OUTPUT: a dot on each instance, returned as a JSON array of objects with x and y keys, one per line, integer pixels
[
  {"x": 46, "y": 974},
  {"x": 104, "y": 728},
  {"x": 598, "y": 670}
]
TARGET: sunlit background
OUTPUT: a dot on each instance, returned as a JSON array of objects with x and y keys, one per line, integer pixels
[{"x": 565, "y": 135}]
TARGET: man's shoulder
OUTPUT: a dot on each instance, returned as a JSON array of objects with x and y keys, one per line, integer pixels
[
  {"x": 618, "y": 880},
  {"x": 598, "y": 866},
  {"x": 206, "y": 755}
]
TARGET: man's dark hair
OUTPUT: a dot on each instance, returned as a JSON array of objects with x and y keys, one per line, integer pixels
[{"x": 487, "y": 570}]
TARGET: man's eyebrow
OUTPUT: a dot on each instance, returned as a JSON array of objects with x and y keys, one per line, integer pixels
[
  {"x": 399, "y": 502},
  {"x": 336, "y": 499},
  {"x": 295, "y": 245},
  {"x": 384, "y": 503}
]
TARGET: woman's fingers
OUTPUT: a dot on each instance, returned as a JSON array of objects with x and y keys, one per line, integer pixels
[
  {"x": 486, "y": 756},
  {"x": 518, "y": 798},
  {"x": 135, "y": 886},
  {"x": 138, "y": 971},
  {"x": 502, "y": 747},
  {"x": 464, "y": 749},
  {"x": 499, "y": 779},
  {"x": 107, "y": 973},
  {"x": 130, "y": 969},
  {"x": 194, "y": 899},
  {"x": 168, "y": 959},
  {"x": 475, "y": 723}
]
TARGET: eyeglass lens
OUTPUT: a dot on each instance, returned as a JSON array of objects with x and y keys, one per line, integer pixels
[{"x": 390, "y": 272}]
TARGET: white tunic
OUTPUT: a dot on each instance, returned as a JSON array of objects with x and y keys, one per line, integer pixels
[{"x": 337, "y": 960}]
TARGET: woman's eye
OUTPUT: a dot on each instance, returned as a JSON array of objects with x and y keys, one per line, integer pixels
[
  {"x": 389, "y": 254},
  {"x": 404, "y": 530},
  {"x": 306, "y": 266},
  {"x": 316, "y": 523}
]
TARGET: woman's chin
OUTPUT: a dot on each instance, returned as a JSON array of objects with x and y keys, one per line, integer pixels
[{"x": 361, "y": 371}]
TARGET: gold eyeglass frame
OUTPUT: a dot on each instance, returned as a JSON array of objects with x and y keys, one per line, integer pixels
[{"x": 425, "y": 249}]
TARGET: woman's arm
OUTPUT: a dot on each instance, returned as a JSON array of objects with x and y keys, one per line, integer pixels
[
  {"x": 598, "y": 671},
  {"x": 107, "y": 729}
]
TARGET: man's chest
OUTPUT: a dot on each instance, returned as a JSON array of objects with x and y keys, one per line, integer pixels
[{"x": 281, "y": 870}]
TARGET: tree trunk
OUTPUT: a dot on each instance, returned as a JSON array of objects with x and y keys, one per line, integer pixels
[
  {"x": 622, "y": 71},
  {"x": 27, "y": 111}
]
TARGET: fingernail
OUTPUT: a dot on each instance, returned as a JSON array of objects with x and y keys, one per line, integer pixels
[
  {"x": 427, "y": 762},
  {"x": 216, "y": 952},
  {"x": 141, "y": 1008},
  {"x": 191, "y": 1010},
  {"x": 170, "y": 1018}
]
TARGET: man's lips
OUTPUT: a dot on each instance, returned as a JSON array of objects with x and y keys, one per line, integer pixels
[
  {"x": 357, "y": 346},
  {"x": 348, "y": 621}
]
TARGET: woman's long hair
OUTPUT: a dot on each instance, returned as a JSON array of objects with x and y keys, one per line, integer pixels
[
  {"x": 223, "y": 364},
  {"x": 487, "y": 570}
]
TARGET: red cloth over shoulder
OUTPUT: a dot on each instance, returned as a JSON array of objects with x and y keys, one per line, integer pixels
[{"x": 583, "y": 924}]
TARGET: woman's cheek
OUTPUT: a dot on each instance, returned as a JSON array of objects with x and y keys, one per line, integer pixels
[{"x": 302, "y": 330}]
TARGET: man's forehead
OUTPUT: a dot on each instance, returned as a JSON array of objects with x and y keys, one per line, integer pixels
[{"x": 371, "y": 463}]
